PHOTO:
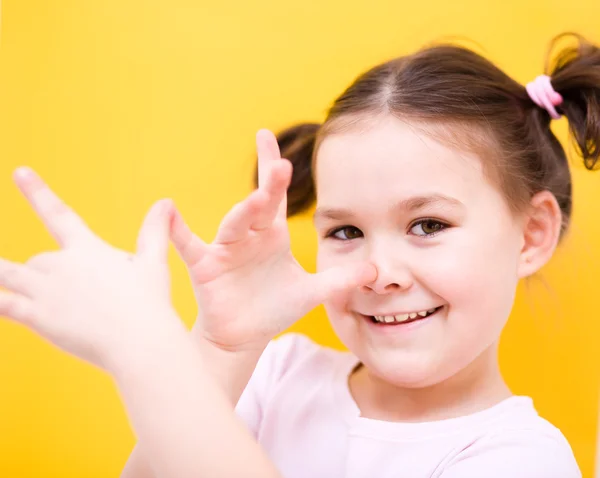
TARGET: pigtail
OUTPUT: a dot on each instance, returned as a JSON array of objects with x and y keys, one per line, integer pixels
[
  {"x": 575, "y": 73},
  {"x": 297, "y": 145}
]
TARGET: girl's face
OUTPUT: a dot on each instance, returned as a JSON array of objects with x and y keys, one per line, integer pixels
[{"x": 443, "y": 239}]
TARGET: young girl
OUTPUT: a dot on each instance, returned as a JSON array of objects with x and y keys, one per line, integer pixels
[{"x": 439, "y": 185}]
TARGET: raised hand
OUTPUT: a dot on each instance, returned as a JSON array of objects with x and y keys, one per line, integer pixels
[
  {"x": 89, "y": 298},
  {"x": 247, "y": 283}
]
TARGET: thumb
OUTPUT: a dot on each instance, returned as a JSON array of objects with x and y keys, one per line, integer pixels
[
  {"x": 189, "y": 246},
  {"x": 153, "y": 238},
  {"x": 337, "y": 280}
]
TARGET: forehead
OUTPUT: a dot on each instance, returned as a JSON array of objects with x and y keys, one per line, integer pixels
[{"x": 393, "y": 157}]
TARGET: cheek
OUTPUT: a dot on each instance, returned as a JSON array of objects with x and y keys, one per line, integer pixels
[{"x": 475, "y": 276}]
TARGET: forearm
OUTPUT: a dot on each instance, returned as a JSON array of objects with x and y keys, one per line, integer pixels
[
  {"x": 231, "y": 369},
  {"x": 184, "y": 421}
]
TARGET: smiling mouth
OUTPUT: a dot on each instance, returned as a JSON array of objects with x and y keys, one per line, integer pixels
[{"x": 403, "y": 318}]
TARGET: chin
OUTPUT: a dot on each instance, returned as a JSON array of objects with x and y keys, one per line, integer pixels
[
  {"x": 415, "y": 356},
  {"x": 407, "y": 370}
]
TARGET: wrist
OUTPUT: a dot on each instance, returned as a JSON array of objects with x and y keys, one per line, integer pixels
[
  {"x": 230, "y": 345},
  {"x": 226, "y": 357},
  {"x": 230, "y": 356},
  {"x": 159, "y": 338},
  {"x": 232, "y": 367},
  {"x": 240, "y": 348}
]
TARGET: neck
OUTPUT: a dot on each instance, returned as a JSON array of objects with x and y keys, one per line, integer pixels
[{"x": 475, "y": 388}]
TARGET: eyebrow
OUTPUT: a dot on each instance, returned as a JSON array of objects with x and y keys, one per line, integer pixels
[{"x": 405, "y": 205}]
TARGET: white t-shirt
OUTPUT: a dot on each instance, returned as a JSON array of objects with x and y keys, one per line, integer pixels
[{"x": 298, "y": 406}]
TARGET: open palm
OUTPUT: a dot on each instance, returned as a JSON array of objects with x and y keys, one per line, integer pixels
[
  {"x": 89, "y": 298},
  {"x": 247, "y": 283}
]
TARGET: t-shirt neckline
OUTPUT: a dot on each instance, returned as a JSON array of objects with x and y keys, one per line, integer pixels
[{"x": 345, "y": 405}]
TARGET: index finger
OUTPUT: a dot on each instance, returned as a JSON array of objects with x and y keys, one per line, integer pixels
[{"x": 60, "y": 220}]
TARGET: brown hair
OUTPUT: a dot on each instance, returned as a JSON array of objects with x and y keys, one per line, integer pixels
[{"x": 449, "y": 89}]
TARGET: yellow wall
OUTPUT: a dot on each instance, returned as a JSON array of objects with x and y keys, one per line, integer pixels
[{"x": 120, "y": 102}]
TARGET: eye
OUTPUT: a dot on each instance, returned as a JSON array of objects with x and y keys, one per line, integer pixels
[
  {"x": 345, "y": 233},
  {"x": 427, "y": 227}
]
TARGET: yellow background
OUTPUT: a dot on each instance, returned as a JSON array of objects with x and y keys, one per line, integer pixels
[{"x": 120, "y": 102}]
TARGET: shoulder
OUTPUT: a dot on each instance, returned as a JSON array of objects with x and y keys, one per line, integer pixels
[
  {"x": 290, "y": 346},
  {"x": 290, "y": 366},
  {"x": 293, "y": 360},
  {"x": 525, "y": 447},
  {"x": 292, "y": 352}
]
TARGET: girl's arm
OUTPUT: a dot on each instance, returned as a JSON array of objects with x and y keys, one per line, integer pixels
[
  {"x": 230, "y": 370},
  {"x": 184, "y": 421},
  {"x": 113, "y": 309}
]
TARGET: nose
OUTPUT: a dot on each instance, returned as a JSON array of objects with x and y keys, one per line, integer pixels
[{"x": 393, "y": 273}]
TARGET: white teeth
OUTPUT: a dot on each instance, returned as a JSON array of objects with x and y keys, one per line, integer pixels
[{"x": 403, "y": 317}]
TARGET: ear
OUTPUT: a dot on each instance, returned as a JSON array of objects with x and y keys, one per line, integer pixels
[{"x": 541, "y": 231}]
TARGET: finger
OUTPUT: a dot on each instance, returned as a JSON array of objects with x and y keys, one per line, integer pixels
[
  {"x": 282, "y": 211},
  {"x": 268, "y": 150},
  {"x": 236, "y": 225},
  {"x": 336, "y": 280},
  {"x": 43, "y": 262},
  {"x": 275, "y": 187},
  {"x": 60, "y": 220},
  {"x": 189, "y": 246},
  {"x": 17, "y": 307},
  {"x": 206, "y": 269},
  {"x": 268, "y": 154},
  {"x": 18, "y": 278},
  {"x": 153, "y": 238}
]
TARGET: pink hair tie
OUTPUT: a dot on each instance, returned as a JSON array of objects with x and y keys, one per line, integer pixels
[{"x": 542, "y": 94}]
